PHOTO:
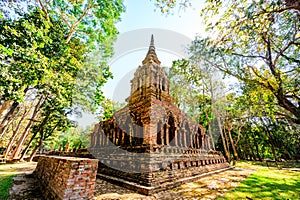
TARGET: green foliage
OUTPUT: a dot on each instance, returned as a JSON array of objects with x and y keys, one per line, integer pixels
[
  {"x": 23, "y": 62},
  {"x": 76, "y": 137},
  {"x": 257, "y": 42},
  {"x": 56, "y": 51},
  {"x": 43, "y": 62},
  {"x": 91, "y": 20},
  {"x": 183, "y": 88},
  {"x": 108, "y": 108}
]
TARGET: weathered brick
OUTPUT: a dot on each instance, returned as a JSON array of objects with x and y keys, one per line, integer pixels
[{"x": 57, "y": 179}]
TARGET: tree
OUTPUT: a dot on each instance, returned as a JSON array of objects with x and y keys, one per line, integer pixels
[
  {"x": 44, "y": 51},
  {"x": 257, "y": 42},
  {"x": 197, "y": 89}
]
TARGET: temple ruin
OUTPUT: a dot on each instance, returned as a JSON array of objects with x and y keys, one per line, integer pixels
[{"x": 150, "y": 144}]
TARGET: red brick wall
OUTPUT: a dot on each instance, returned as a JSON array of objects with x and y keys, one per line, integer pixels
[{"x": 66, "y": 177}]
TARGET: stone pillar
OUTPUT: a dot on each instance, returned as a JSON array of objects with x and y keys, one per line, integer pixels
[
  {"x": 205, "y": 142},
  {"x": 162, "y": 133},
  {"x": 191, "y": 140},
  {"x": 197, "y": 141},
  {"x": 107, "y": 138},
  {"x": 179, "y": 135},
  {"x": 176, "y": 136},
  {"x": 208, "y": 142},
  {"x": 153, "y": 133},
  {"x": 97, "y": 139},
  {"x": 96, "y": 128},
  {"x": 161, "y": 83},
  {"x": 184, "y": 138},
  {"x": 167, "y": 135},
  {"x": 92, "y": 141},
  {"x": 153, "y": 80},
  {"x": 101, "y": 142},
  {"x": 148, "y": 81},
  {"x": 140, "y": 83},
  {"x": 146, "y": 134},
  {"x": 130, "y": 133}
]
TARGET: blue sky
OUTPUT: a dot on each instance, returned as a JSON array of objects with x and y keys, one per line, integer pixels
[{"x": 141, "y": 14}]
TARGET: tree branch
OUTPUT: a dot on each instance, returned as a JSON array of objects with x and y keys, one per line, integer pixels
[
  {"x": 44, "y": 8},
  {"x": 73, "y": 26}
]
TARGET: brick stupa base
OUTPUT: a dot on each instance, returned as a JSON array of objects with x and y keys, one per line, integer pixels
[{"x": 155, "y": 172}]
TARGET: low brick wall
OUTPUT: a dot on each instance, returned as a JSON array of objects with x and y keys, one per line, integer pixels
[{"x": 66, "y": 177}]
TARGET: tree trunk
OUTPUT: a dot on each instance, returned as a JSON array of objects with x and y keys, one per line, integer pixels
[
  {"x": 226, "y": 140},
  {"x": 271, "y": 140},
  {"x": 40, "y": 130},
  {"x": 4, "y": 107},
  {"x": 24, "y": 152},
  {"x": 229, "y": 127},
  {"x": 212, "y": 138},
  {"x": 222, "y": 136},
  {"x": 35, "y": 149},
  {"x": 13, "y": 137},
  {"x": 257, "y": 149},
  {"x": 6, "y": 118},
  {"x": 252, "y": 153},
  {"x": 210, "y": 132},
  {"x": 9, "y": 113},
  {"x": 26, "y": 131},
  {"x": 233, "y": 146}
]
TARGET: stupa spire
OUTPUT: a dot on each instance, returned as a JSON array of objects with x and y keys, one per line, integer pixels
[
  {"x": 151, "y": 55},
  {"x": 152, "y": 41}
]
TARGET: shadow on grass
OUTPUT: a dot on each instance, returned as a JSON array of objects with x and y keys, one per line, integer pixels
[{"x": 268, "y": 183}]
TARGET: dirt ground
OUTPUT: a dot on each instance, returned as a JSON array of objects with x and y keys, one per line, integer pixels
[{"x": 210, "y": 187}]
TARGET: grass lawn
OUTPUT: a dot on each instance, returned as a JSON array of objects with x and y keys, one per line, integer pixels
[
  {"x": 267, "y": 183},
  {"x": 5, "y": 180},
  {"x": 7, "y": 172},
  {"x": 5, "y": 184}
]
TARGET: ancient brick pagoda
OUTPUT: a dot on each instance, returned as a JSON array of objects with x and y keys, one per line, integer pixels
[{"x": 150, "y": 144}]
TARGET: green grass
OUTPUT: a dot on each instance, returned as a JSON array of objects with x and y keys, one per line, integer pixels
[
  {"x": 7, "y": 172},
  {"x": 5, "y": 184},
  {"x": 267, "y": 183}
]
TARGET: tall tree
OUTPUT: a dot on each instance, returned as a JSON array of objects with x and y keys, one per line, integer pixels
[{"x": 257, "y": 42}]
